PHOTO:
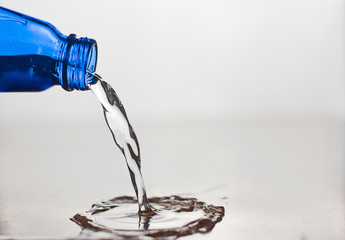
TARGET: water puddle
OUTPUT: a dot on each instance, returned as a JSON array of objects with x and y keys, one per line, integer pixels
[{"x": 171, "y": 217}]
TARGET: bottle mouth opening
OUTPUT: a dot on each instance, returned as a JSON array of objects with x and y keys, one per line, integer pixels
[
  {"x": 91, "y": 65},
  {"x": 81, "y": 60}
]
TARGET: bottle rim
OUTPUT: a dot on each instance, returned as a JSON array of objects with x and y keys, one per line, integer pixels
[{"x": 81, "y": 59}]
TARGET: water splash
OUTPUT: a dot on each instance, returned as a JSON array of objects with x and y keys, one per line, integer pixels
[
  {"x": 175, "y": 217},
  {"x": 166, "y": 217}
]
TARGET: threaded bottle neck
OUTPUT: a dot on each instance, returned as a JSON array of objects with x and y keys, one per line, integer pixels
[{"x": 80, "y": 59}]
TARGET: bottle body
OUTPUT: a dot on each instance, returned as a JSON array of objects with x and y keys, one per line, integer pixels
[{"x": 34, "y": 55}]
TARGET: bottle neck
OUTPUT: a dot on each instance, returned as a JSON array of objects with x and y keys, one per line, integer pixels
[{"x": 80, "y": 59}]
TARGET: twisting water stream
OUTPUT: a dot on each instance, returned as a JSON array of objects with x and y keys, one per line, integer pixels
[{"x": 123, "y": 135}]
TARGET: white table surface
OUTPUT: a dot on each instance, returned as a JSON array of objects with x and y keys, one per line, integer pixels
[{"x": 276, "y": 180}]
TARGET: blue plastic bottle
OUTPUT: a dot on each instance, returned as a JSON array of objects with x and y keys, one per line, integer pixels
[{"x": 34, "y": 55}]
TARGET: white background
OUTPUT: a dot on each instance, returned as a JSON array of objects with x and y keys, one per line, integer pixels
[{"x": 220, "y": 60}]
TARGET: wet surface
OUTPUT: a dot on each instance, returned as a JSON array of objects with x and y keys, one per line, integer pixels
[
  {"x": 275, "y": 181},
  {"x": 172, "y": 217}
]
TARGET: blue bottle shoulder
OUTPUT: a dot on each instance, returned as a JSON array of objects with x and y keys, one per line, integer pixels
[{"x": 34, "y": 55}]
